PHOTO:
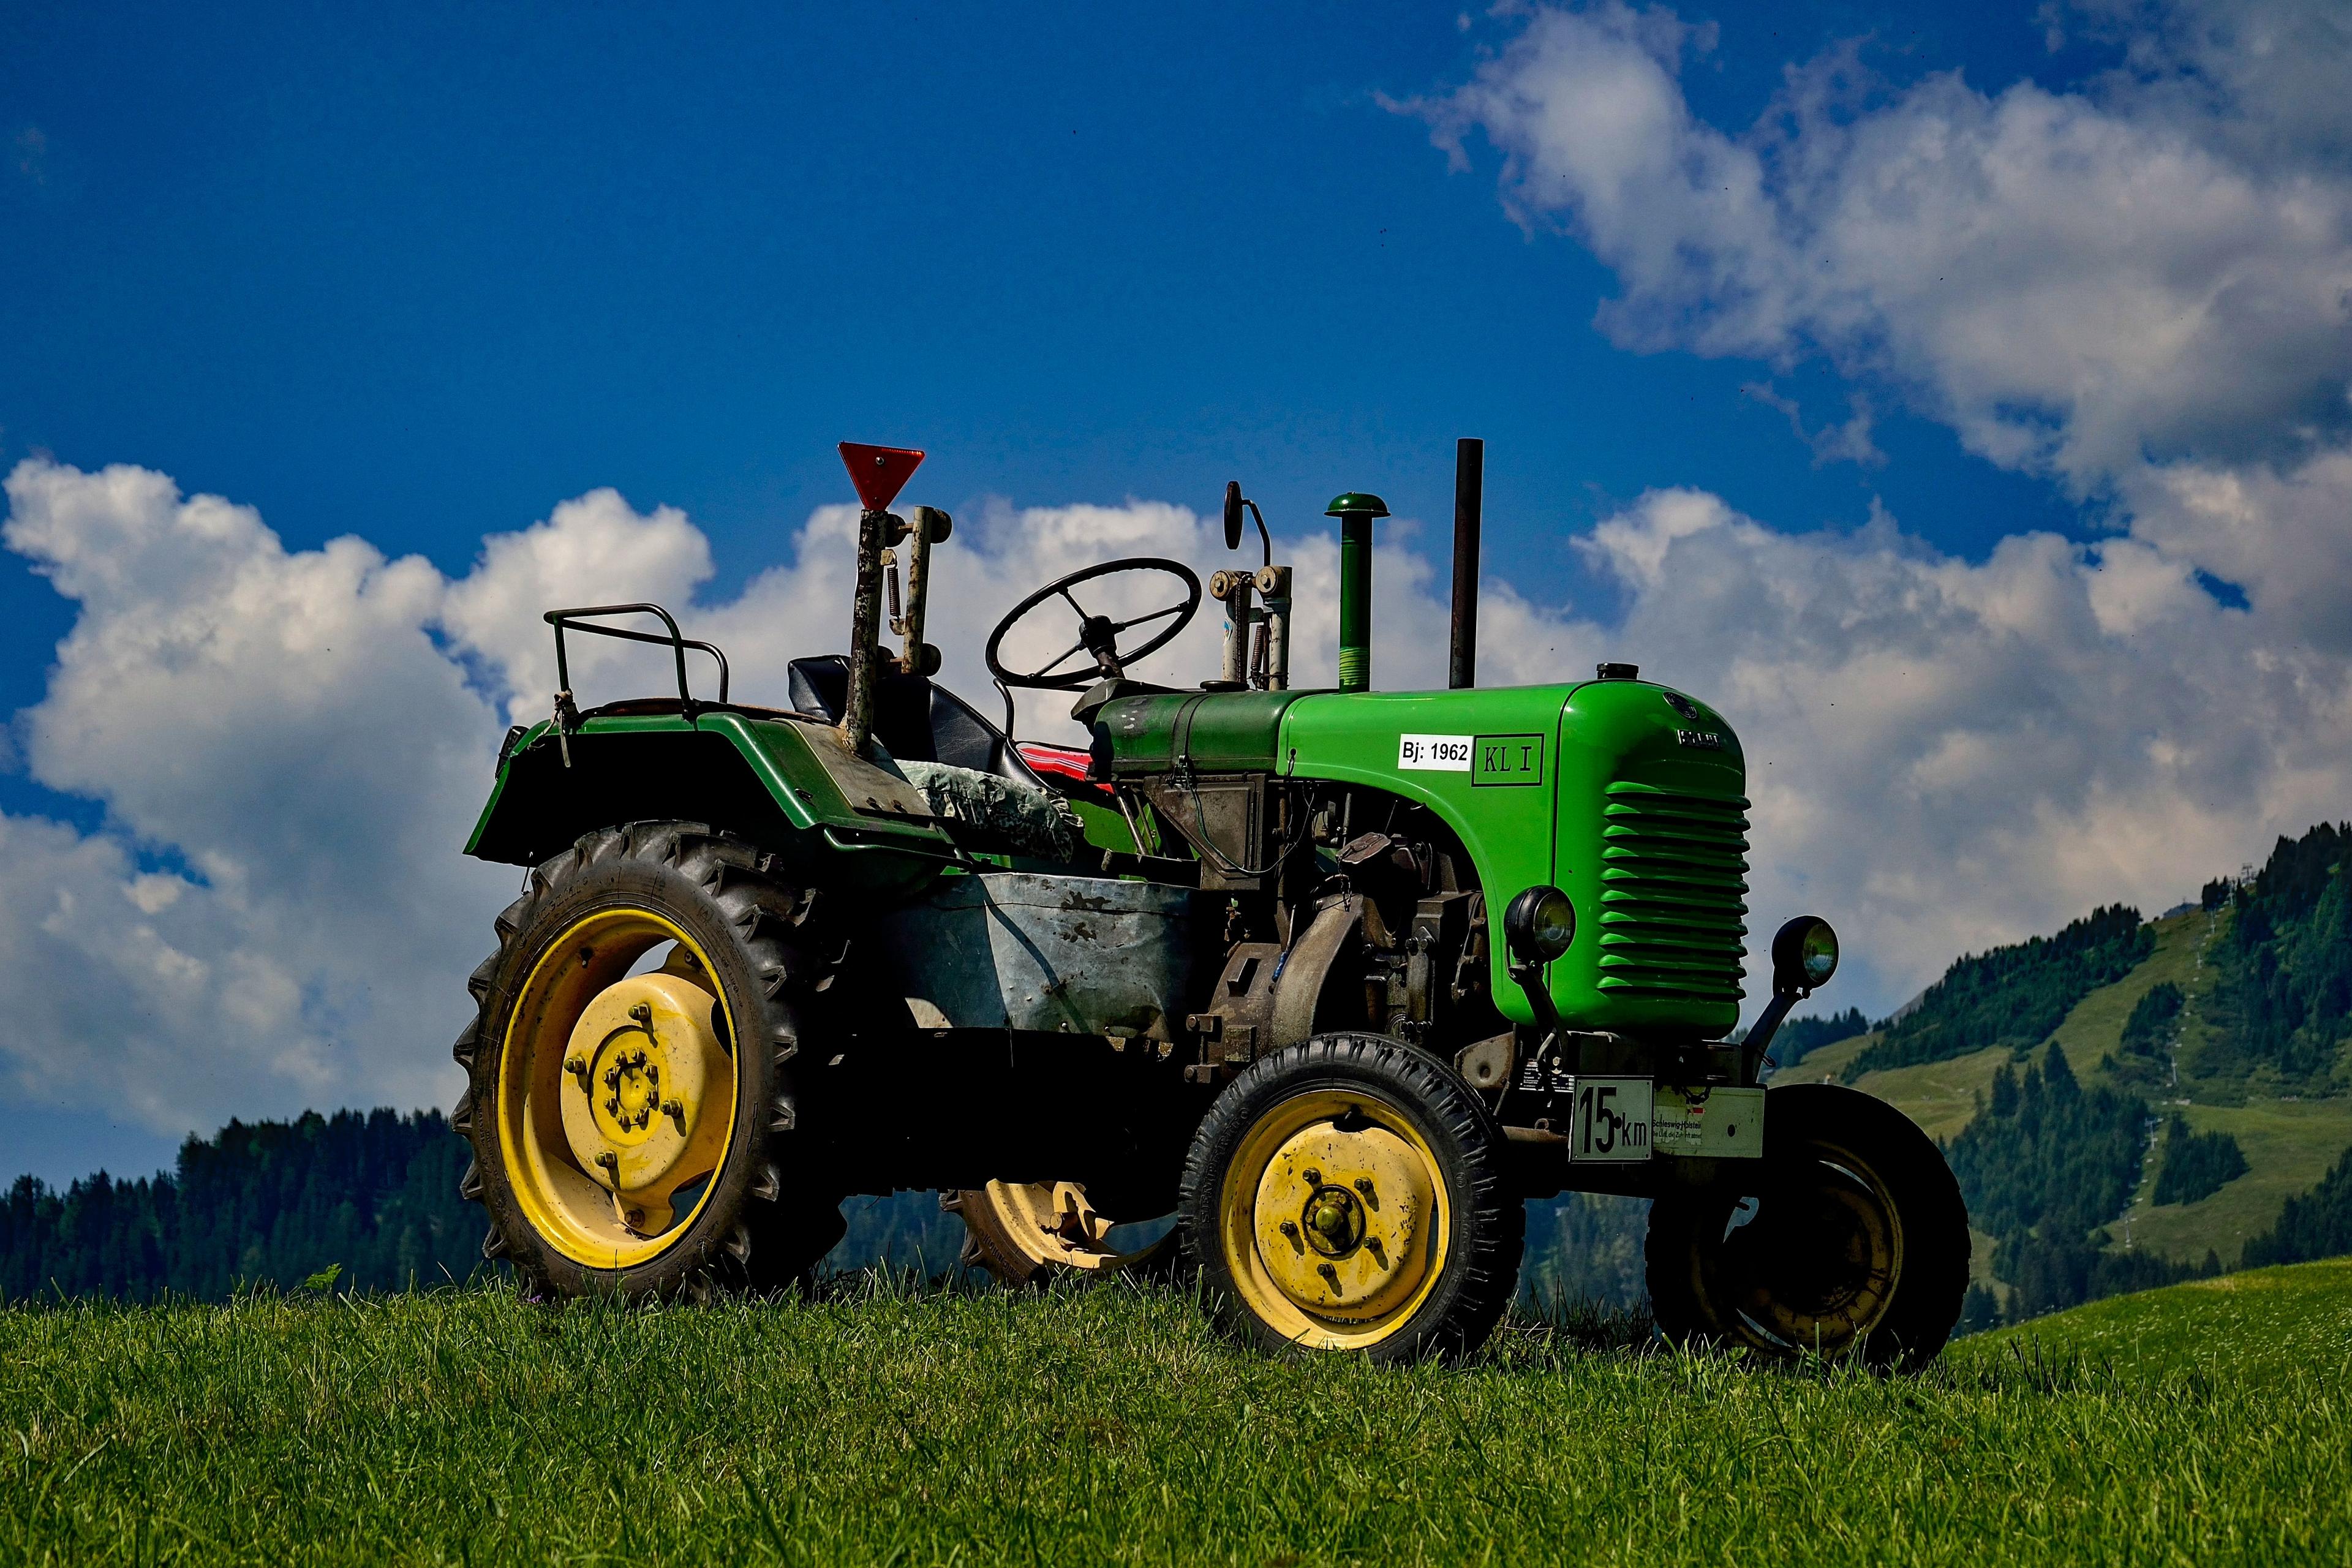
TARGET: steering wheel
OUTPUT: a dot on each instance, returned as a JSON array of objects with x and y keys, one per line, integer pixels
[{"x": 1098, "y": 635}]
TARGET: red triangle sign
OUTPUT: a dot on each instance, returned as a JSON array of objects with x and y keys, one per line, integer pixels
[{"x": 878, "y": 472}]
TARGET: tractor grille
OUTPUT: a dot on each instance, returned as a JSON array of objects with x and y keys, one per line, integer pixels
[{"x": 1673, "y": 870}]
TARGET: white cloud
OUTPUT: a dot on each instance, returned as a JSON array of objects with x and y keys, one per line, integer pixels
[
  {"x": 2138, "y": 288},
  {"x": 1945, "y": 755},
  {"x": 277, "y": 730},
  {"x": 2073, "y": 280},
  {"x": 291, "y": 747},
  {"x": 1942, "y": 754},
  {"x": 2142, "y": 288},
  {"x": 1847, "y": 443}
]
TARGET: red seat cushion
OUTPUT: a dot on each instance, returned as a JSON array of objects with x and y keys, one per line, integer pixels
[{"x": 1063, "y": 766}]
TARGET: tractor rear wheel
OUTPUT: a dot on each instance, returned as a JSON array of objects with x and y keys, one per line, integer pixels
[
  {"x": 630, "y": 1103},
  {"x": 1348, "y": 1194},
  {"x": 1025, "y": 1232},
  {"x": 1848, "y": 1239}
]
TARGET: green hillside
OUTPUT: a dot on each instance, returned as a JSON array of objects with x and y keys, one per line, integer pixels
[
  {"x": 879, "y": 1424},
  {"x": 2260, "y": 1326},
  {"x": 2224, "y": 1036},
  {"x": 2012, "y": 996}
]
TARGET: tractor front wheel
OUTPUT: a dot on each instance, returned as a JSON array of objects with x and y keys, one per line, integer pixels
[
  {"x": 1348, "y": 1194},
  {"x": 1848, "y": 1237},
  {"x": 630, "y": 1103}
]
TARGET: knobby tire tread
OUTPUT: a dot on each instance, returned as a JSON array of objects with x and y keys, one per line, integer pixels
[
  {"x": 763, "y": 1225},
  {"x": 1483, "y": 1261}
]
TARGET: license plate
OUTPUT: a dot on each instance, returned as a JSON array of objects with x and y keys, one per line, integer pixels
[
  {"x": 1718, "y": 1122},
  {"x": 1609, "y": 1119}
]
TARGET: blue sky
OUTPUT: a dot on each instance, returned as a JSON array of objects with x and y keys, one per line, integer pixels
[
  {"x": 415, "y": 276},
  {"x": 421, "y": 276}
]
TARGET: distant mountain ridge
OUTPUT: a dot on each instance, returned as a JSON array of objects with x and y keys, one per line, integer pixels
[{"x": 2012, "y": 996}]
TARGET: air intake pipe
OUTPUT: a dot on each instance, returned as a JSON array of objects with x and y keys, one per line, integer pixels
[{"x": 1355, "y": 512}]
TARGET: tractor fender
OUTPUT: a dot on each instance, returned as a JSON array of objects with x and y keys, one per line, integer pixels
[
  {"x": 1308, "y": 969},
  {"x": 776, "y": 781}
]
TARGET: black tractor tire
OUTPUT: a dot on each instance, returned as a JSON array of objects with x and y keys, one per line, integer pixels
[
  {"x": 1390, "y": 1084},
  {"x": 1860, "y": 1194},
  {"x": 765, "y": 1219}
]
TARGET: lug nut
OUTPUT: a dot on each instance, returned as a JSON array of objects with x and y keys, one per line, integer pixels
[
  {"x": 1311, "y": 1176},
  {"x": 674, "y": 1108},
  {"x": 1364, "y": 1185},
  {"x": 612, "y": 1078},
  {"x": 642, "y": 1013},
  {"x": 1327, "y": 1272},
  {"x": 1290, "y": 1230},
  {"x": 613, "y": 1105}
]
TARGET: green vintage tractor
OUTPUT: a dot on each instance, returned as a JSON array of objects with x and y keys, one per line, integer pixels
[{"x": 1324, "y": 982}]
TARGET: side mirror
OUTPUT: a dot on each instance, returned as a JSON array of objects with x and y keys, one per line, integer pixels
[{"x": 1233, "y": 514}]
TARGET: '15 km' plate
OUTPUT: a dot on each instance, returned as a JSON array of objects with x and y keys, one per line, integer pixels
[{"x": 1609, "y": 1119}]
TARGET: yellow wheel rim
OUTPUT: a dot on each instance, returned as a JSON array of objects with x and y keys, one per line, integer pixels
[
  {"x": 1023, "y": 1229},
  {"x": 1820, "y": 1272},
  {"x": 1333, "y": 1218},
  {"x": 616, "y": 1092}
]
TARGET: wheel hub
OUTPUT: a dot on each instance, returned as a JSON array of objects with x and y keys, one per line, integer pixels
[
  {"x": 1343, "y": 1219},
  {"x": 638, "y": 1066},
  {"x": 1815, "y": 1268}
]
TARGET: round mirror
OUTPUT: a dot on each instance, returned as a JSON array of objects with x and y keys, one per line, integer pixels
[{"x": 1233, "y": 514}]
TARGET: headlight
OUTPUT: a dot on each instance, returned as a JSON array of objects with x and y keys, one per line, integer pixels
[
  {"x": 1804, "y": 954},
  {"x": 1540, "y": 924}
]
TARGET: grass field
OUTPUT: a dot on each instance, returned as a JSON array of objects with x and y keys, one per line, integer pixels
[{"x": 882, "y": 1424}]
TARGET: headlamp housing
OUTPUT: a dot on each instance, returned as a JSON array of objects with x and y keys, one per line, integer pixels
[
  {"x": 1804, "y": 956},
  {"x": 1539, "y": 925}
]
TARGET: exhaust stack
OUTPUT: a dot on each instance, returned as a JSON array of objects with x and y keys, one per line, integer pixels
[{"x": 1469, "y": 496}]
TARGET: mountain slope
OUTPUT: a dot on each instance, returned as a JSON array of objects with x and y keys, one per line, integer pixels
[
  {"x": 2255, "y": 1327},
  {"x": 2226, "y": 1029}
]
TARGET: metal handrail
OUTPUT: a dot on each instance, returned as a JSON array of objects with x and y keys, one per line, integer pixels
[{"x": 676, "y": 642}]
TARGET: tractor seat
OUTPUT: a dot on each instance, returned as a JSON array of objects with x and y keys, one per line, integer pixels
[
  {"x": 1067, "y": 769},
  {"x": 916, "y": 719}
]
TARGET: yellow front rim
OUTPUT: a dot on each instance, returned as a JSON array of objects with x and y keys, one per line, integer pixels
[
  {"x": 616, "y": 1092},
  {"x": 1333, "y": 1217},
  {"x": 1819, "y": 1272}
]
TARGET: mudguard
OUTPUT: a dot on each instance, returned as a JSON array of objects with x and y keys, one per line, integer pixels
[{"x": 782, "y": 780}]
